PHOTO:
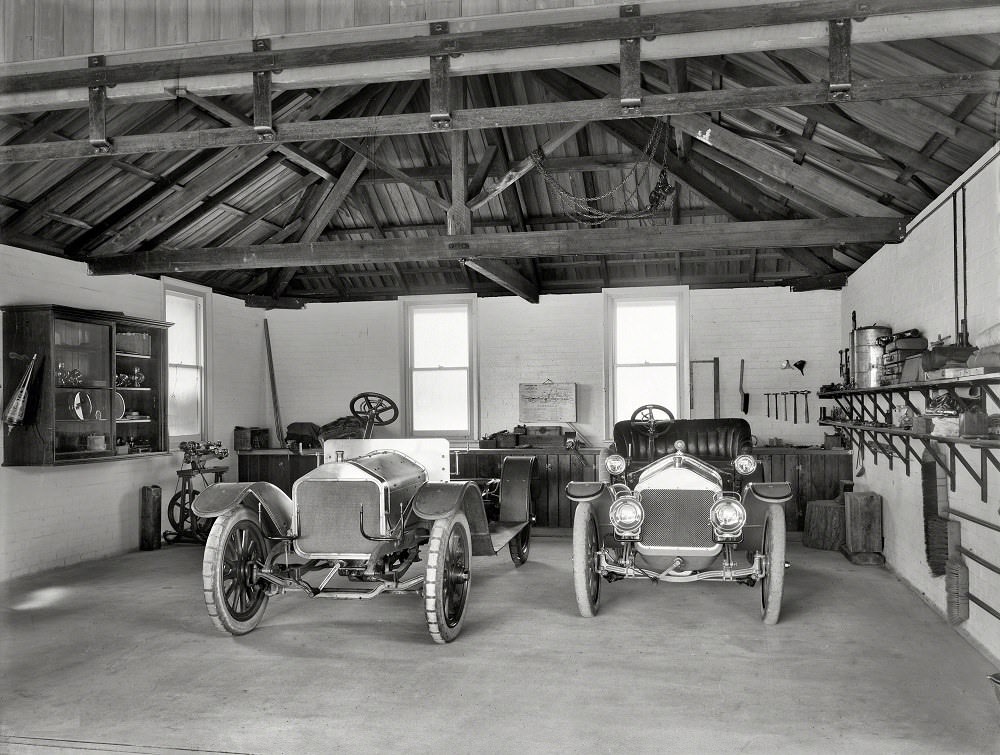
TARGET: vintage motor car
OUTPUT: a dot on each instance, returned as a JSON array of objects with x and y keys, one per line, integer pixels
[
  {"x": 359, "y": 522},
  {"x": 679, "y": 501}
]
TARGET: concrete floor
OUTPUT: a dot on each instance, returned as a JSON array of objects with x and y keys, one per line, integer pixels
[{"x": 120, "y": 656}]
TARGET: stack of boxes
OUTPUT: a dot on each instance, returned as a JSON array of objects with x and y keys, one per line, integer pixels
[{"x": 902, "y": 349}]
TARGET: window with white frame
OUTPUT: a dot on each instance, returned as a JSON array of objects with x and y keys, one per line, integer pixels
[
  {"x": 439, "y": 362},
  {"x": 645, "y": 352},
  {"x": 187, "y": 358}
]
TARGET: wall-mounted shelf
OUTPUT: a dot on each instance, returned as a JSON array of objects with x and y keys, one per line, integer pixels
[{"x": 870, "y": 425}]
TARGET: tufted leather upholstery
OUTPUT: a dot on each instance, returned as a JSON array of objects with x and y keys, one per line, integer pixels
[{"x": 712, "y": 440}]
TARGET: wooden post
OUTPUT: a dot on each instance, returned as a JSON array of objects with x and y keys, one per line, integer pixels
[{"x": 149, "y": 518}]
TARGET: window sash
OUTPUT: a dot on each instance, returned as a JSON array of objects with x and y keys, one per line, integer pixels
[
  {"x": 668, "y": 353},
  {"x": 187, "y": 379},
  {"x": 439, "y": 381}
]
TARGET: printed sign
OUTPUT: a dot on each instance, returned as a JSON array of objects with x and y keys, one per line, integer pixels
[{"x": 546, "y": 402}]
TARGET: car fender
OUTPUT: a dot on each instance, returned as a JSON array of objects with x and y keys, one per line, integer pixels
[
  {"x": 221, "y": 497},
  {"x": 515, "y": 488},
  {"x": 437, "y": 500},
  {"x": 757, "y": 498}
]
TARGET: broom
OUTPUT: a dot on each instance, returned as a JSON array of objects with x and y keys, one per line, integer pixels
[{"x": 956, "y": 584}]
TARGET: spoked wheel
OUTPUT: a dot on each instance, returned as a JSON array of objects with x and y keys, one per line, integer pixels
[
  {"x": 586, "y": 550},
  {"x": 446, "y": 586},
  {"x": 179, "y": 509},
  {"x": 183, "y": 519},
  {"x": 520, "y": 546},
  {"x": 773, "y": 585},
  {"x": 236, "y": 547}
]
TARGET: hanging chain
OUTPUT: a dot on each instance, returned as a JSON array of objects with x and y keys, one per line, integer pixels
[{"x": 586, "y": 210}]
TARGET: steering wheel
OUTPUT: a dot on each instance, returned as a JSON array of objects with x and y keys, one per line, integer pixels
[
  {"x": 644, "y": 420},
  {"x": 374, "y": 410}
]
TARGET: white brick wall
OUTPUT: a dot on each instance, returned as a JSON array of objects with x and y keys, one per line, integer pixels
[
  {"x": 765, "y": 327},
  {"x": 559, "y": 339},
  {"x": 54, "y": 516},
  {"x": 326, "y": 354},
  {"x": 911, "y": 285}
]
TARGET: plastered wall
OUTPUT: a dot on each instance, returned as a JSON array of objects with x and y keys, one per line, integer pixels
[
  {"x": 55, "y": 516},
  {"x": 912, "y": 285}
]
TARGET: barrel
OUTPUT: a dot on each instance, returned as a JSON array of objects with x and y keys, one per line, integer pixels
[{"x": 866, "y": 355}]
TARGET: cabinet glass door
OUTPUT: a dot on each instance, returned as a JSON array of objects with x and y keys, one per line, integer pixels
[{"x": 82, "y": 395}]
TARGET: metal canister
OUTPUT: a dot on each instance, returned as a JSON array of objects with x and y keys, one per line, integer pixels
[{"x": 866, "y": 355}]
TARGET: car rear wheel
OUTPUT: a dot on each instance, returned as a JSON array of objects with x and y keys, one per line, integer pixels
[
  {"x": 446, "y": 585},
  {"x": 236, "y": 547},
  {"x": 773, "y": 585},
  {"x": 586, "y": 549}
]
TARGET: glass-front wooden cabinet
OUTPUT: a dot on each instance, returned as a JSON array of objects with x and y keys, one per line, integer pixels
[{"x": 97, "y": 389}]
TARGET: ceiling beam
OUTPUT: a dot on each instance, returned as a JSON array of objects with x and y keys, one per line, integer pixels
[
  {"x": 503, "y": 274},
  {"x": 465, "y": 43},
  {"x": 722, "y": 236},
  {"x": 792, "y": 95},
  {"x": 525, "y": 165}
]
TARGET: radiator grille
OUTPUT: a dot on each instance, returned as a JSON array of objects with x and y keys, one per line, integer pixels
[
  {"x": 677, "y": 518},
  {"x": 328, "y": 512}
]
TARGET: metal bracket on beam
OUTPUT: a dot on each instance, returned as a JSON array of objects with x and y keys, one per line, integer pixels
[
  {"x": 840, "y": 59},
  {"x": 440, "y": 83},
  {"x": 97, "y": 110},
  {"x": 628, "y": 69},
  {"x": 263, "y": 119},
  {"x": 440, "y": 92}
]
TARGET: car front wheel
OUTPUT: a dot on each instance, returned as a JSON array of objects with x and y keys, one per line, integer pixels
[
  {"x": 446, "y": 585},
  {"x": 236, "y": 547},
  {"x": 773, "y": 585},
  {"x": 586, "y": 550}
]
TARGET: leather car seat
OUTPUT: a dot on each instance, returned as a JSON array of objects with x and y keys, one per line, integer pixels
[{"x": 712, "y": 440}]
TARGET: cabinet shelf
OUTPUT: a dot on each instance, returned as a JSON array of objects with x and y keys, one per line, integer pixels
[
  {"x": 869, "y": 425},
  {"x": 91, "y": 347}
]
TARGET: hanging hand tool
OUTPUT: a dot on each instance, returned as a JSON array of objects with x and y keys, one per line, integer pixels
[
  {"x": 784, "y": 395},
  {"x": 795, "y": 405},
  {"x": 767, "y": 398},
  {"x": 805, "y": 398},
  {"x": 744, "y": 396}
]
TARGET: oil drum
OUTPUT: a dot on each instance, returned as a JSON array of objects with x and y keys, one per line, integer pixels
[{"x": 866, "y": 355}]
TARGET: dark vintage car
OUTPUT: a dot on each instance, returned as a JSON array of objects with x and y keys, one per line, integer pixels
[
  {"x": 679, "y": 501},
  {"x": 359, "y": 522}
]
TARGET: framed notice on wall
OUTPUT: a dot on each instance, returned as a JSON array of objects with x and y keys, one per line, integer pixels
[{"x": 546, "y": 402}]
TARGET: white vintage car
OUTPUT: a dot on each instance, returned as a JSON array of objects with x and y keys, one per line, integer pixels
[
  {"x": 681, "y": 501},
  {"x": 359, "y": 522}
]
